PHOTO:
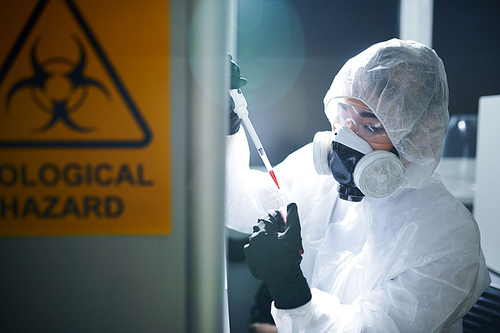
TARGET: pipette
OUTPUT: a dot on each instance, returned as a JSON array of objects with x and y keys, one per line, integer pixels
[{"x": 240, "y": 107}]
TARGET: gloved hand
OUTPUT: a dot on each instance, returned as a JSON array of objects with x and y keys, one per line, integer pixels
[
  {"x": 237, "y": 81},
  {"x": 273, "y": 254}
]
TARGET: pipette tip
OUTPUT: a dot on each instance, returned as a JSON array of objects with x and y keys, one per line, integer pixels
[{"x": 271, "y": 172}]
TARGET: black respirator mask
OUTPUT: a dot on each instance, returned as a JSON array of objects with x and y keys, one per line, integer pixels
[{"x": 359, "y": 170}]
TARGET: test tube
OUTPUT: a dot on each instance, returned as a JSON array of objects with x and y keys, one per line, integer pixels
[{"x": 282, "y": 204}]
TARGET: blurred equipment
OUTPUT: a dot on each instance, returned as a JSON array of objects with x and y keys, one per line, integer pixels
[
  {"x": 484, "y": 317},
  {"x": 458, "y": 162},
  {"x": 488, "y": 179}
]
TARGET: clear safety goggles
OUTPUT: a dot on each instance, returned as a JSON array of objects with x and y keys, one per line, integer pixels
[{"x": 360, "y": 118}]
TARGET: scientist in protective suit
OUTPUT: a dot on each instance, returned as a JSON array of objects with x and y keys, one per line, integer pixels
[{"x": 373, "y": 240}]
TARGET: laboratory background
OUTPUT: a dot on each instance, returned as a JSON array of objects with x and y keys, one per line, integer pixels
[
  {"x": 290, "y": 61},
  {"x": 168, "y": 264}
]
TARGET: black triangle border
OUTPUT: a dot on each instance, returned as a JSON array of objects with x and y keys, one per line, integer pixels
[{"x": 111, "y": 72}]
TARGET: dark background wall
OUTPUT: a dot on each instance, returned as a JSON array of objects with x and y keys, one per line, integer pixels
[{"x": 467, "y": 38}]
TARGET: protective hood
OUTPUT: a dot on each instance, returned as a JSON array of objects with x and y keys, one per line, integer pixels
[{"x": 404, "y": 83}]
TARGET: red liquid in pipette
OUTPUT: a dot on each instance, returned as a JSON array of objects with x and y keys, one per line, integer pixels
[{"x": 274, "y": 178}]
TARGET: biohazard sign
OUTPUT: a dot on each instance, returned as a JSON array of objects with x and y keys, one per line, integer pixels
[{"x": 84, "y": 118}]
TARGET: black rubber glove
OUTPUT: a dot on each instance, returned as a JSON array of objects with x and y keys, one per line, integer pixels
[
  {"x": 237, "y": 81},
  {"x": 273, "y": 255}
]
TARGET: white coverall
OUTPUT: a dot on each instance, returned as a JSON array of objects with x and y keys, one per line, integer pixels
[{"x": 408, "y": 262}]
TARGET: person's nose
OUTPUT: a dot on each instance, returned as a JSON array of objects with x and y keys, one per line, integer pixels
[{"x": 350, "y": 123}]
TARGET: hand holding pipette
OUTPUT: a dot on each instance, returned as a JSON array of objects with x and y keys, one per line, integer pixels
[
  {"x": 237, "y": 82},
  {"x": 240, "y": 109}
]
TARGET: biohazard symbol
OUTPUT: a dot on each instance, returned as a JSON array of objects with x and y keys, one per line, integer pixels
[
  {"x": 65, "y": 88},
  {"x": 59, "y": 103}
]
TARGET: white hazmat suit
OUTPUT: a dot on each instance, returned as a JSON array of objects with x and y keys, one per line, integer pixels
[{"x": 408, "y": 262}]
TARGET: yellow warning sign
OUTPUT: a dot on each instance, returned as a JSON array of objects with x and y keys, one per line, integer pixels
[{"x": 84, "y": 118}]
